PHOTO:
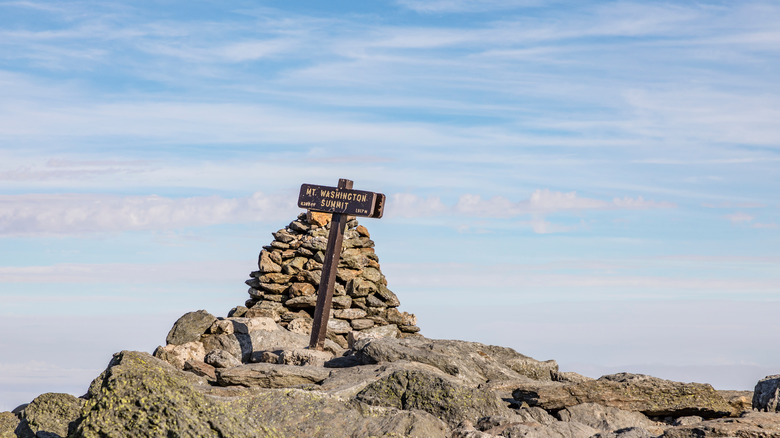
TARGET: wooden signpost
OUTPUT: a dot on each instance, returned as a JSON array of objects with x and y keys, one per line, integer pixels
[{"x": 341, "y": 201}]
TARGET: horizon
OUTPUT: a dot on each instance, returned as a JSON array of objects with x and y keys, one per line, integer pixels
[{"x": 590, "y": 182}]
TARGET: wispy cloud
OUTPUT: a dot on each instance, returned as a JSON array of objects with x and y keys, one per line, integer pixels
[{"x": 44, "y": 214}]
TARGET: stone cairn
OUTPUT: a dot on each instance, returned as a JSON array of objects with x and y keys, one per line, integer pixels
[{"x": 285, "y": 285}]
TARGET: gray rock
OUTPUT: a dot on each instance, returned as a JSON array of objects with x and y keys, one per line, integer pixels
[
  {"x": 436, "y": 394},
  {"x": 267, "y": 264},
  {"x": 189, "y": 327},
  {"x": 304, "y": 357},
  {"x": 605, "y": 418},
  {"x": 221, "y": 359},
  {"x": 766, "y": 395},
  {"x": 339, "y": 326},
  {"x": 748, "y": 425},
  {"x": 471, "y": 361},
  {"x": 239, "y": 345},
  {"x": 630, "y": 392},
  {"x": 50, "y": 415},
  {"x": 141, "y": 396},
  {"x": 629, "y": 432},
  {"x": 266, "y": 375}
]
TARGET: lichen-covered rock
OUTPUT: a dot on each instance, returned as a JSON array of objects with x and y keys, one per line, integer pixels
[
  {"x": 178, "y": 354},
  {"x": 606, "y": 418},
  {"x": 8, "y": 424},
  {"x": 189, "y": 327},
  {"x": 630, "y": 392},
  {"x": 266, "y": 375},
  {"x": 141, "y": 396},
  {"x": 50, "y": 415},
  {"x": 442, "y": 397},
  {"x": 471, "y": 361}
]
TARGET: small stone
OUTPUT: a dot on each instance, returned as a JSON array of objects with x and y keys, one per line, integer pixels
[
  {"x": 222, "y": 327},
  {"x": 303, "y": 252},
  {"x": 253, "y": 283},
  {"x": 274, "y": 288},
  {"x": 359, "y": 303},
  {"x": 289, "y": 253},
  {"x": 312, "y": 277},
  {"x": 275, "y": 277},
  {"x": 221, "y": 359},
  {"x": 303, "y": 357},
  {"x": 280, "y": 245},
  {"x": 312, "y": 265},
  {"x": 300, "y": 325},
  {"x": 283, "y": 236},
  {"x": 237, "y": 311},
  {"x": 201, "y": 369},
  {"x": 315, "y": 244},
  {"x": 319, "y": 257},
  {"x": 409, "y": 328},
  {"x": 358, "y": 287},
  {"x": 361, "y": 230},
  {"x": 373, "y": 301},
  {"x": 259, "y": 323},
  {"x": 266, "y": 264},
  {"x": 341, "y": 302},
  {"x": 255, "y": 295},
  {"x": 302, "y": 289},
  {"x": 339, "y": 289},
  {"x": 267, "y": 357},
  {"x": 346, "y": 274},
  {"x": 339, "y": 326},
  {"x": 263, "y": 312},
  {"x": 294, "y": 266},
  {"x": 301, "y": 302},
  {"x": 177, "y": 355},
  {"x": 289, "y": 316},
  {"x": 349, "y": 313},
  {"x": 385, "y": 331},
  {"x": 319, "y": 219},
  {"x": 371, "y": 274},
  {"x": 390, "y": 299},
  {"x": 274, "y": 297},
  {"x": 299, "y": 227},
  {"x": 361, "y": 324}
]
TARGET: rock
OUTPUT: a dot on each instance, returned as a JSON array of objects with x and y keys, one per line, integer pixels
[
  {"x": 139, "y": 395},
  {"x": 237, "y": 344},
  {"x": 222, "y": 326},
  {"x": 630, "y": 392},
  {"x": 302, "y": 302},
  {"x": 221, "y": 359},
  {"x": 237, "y": 311},
  {"x": 178, "y": 355},
  {"x": 304, "y": 356},
  {"x": 265, "y": 375},
  {"x": 349, "y": 313},
  {"x": 8, "y": 424},
  {"x": 384, "y": 331},
  {"x": 606, "y": 418},
  {"x": 300, "y": 325},
  {"x": 50, "y": 415},
  {"x": 741, "y": 401},
  {"x": 629, "y": 432},
  {"x": 339, "y": 326},
  {"x": 748, "y": 425},
  {"x": 766, "y": 395},
  {"x": 302, "y": 289},
  {"x": 522, "y": 425},
  {"x": 201, "y": 369},
  {"x": 361, "y": 323},
  {"x": 471, "y": 361},
  {"x": 436, "y": 394},
  {"x": 267, "y": 264},
  {"x": 342, "y": 302},
  {"x": 189, "y": 327},
  {"x": 318, "y": 219}
]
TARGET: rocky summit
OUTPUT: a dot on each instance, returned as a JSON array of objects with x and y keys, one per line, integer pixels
[{"x": 250, "y": 374}]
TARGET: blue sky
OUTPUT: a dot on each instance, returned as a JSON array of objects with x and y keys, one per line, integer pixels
[{"x": 592, "y": 182}]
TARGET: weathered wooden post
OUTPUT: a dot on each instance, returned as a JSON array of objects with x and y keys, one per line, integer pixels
[{"x": 341, "y": 202}]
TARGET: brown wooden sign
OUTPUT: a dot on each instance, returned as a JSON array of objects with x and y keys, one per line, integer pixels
[{"x": 341, "y": 200}]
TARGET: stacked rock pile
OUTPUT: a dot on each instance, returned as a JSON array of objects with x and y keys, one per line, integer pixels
[{"x": 289, "y": 270}]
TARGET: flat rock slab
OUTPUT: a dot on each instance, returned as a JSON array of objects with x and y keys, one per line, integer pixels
[
  {"x": 470, "y": 361},
  {"x": 266, "y": 375},
  {"x": 630, "y": 392},
  {"x": 749, "y": 425}
]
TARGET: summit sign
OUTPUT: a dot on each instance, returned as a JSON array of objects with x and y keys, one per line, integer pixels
[{"x": 341, "y": 201}]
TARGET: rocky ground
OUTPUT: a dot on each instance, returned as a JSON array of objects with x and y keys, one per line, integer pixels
[{"x": 258, "y": 379}]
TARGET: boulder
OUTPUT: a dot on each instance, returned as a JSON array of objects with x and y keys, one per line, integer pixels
[
  {"x": 139, "y": 395},
  {"x": 748, "y": 425},
  {"x": 8, "y": 424},
  {"x": 766, "y": 395},
  {"x": 519, "y": 426},
  {"x": 606, "y": 418},
  {"x": 304, "y": 356},
  {"x": 189, "y": 327},
  {"x": 50, "y": 415},
  {"x": 441, "y": 396},
  {"x": 470, "y": 361},
  {"x": 266, "y": 375},
  {"x": 630, "y": 392}
]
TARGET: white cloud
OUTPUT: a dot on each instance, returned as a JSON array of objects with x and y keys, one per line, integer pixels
[
  {"x": 739, "y": 218},
  {"x": 49, "y": 214}
]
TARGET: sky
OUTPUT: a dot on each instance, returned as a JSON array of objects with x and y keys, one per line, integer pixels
[{"x": 594, "y": 182}]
